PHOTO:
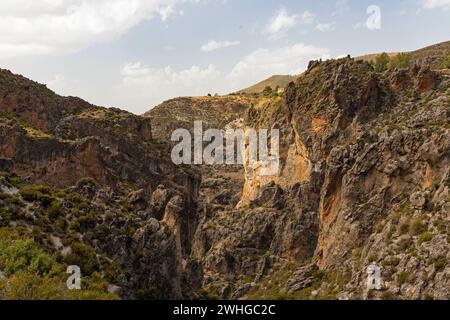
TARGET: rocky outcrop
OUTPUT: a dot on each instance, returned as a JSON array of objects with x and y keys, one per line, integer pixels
[
  {"x": 115, "y": 180},
  {"x": 357, "y": 148},
  {"x": 363, "y": 178}
]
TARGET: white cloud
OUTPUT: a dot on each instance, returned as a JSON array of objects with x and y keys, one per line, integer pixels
[
  {"x": 432, "y": 4},
  {"x": 145, "y": 86},
  {"x": 140, "y": 74},
  {"x": 165, "y": 12},
  {"x": 41, "y": 27},
  {"x": 215, "y": 45},
  {"x": 359, "y": 25},
  {"x": 62, "y": 85},
  {"x": 135, "y": 69},
  {"x": 307, "y": 17},
  {"x": 281, "y": 23},
  {"x": 57, "y": 83},
  {"x": 341, "y": 7},
  {"x": 325, "y": 26},
  {"x": 264, "y": 63}
]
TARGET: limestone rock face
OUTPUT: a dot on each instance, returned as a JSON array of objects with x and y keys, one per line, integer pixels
[
  {"x": 159, "y": 199},
  {"x": 364, "y": 164},
  {"x": 6, "y": 165},
  {"x": 417, "y": 200},
  {"x": 364, "y": 179},
  {"x": 97, "y": 167}
]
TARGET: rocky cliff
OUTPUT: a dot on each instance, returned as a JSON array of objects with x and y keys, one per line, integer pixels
[
  {"x": 364, "y": 177},
  {"x": 92, "y": 186}
]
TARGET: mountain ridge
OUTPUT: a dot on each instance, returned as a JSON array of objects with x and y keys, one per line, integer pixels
[
  {"x": 432, "y": 51},
  {"x": 364, "y": 177}
]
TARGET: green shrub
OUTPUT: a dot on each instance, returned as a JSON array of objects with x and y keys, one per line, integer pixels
[
  {"x": 19, "y": 254},
  {"x": 32, "y": 274},
  {"x": 387, "y": 295},
  {"x": 74, "y": 225},
  {"x": 83, "y": 256},
  {"x": 425, "y": 237},
  {"x": 404, "y": 227},
  {"x": 446, "y": 60},
  {"x": 37, "y": 234},
  {"x": 400, "y": 61},
  {"x": 439, "y": 262},
  {"x": 5, "y": 217},
  {"x": 16, "y": 200},
  {"x": 416, "y": 227},
  {"x": 3, "y": 195},
  {"x": 55, "y": 210},
  {"x": 405, "y": 244},
  {"x": 75, "y": 198},
  {"x": 60, "y": 225},
  {"x": 390, "y": 262},
  {"x": 428, "y": 296},
  {"x": 404, "y": 277},
  {"x": 15, "y": 180},
  {"x": 87, "y": 221},
  {"x": 267, "y": 90},
  {"x": 381, "y": 62},
  {"x": 41, "y": 194},
  {"x": 31, "y": 286},
  {"x": 93, "y": 288}
]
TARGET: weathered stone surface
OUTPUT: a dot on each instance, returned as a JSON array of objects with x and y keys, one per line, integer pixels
[
  {"x": 364, "y": 177},
  {"x": 138, "y": 200},
  {"x": 418, "y": 200},
  {"x": 6, "y": 165}
]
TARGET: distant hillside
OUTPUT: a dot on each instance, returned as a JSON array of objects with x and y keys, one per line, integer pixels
[
  {"x": 215, "y": 112},
  {"x": 273, "y": 82},
  {"x": 433, "y": 53}
]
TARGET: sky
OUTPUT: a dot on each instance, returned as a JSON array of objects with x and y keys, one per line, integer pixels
[{"x": 134, "y": 54}]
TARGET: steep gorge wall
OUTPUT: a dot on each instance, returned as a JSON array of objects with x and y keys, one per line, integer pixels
[{"x": 360, "y": 145}]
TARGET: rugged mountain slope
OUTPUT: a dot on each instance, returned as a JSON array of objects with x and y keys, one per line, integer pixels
[
  {"x": 434, "y": 55},
  {"x": 364, "y": 177},
  {"x": 112, "y": 201},
  {"x": 280, "y": 81},
  {"x": 214, "y": 112}
]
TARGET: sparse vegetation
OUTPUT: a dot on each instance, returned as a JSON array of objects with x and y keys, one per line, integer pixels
[
  {"x": 381, "y": 62},
  {"x": 268, "y": 91},
  {"x": 400, "y": 61},
  {"x": 32, "y": 274},
  {"x": 362, "y": 139},
  {"x": 439, "y": 262},
  {"x": 37, "y": 193},
  {"x": 83, "y": 256},
  {"x": 446, "y": 59},
  {"x": 404, "y": 277},
  {"x": 393, "y": 262},
  {"x": 417, "y": 226},
  {"x": 388, "y": 295},
  {"x": 425, "y": 237}
]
